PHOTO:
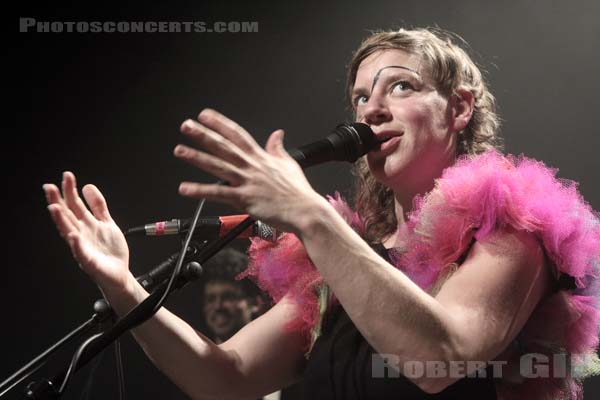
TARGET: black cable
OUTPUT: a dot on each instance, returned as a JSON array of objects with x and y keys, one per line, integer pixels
[
  {"x": 182, "y": 254},
  {"x": 174, "y": 275},
  {"x": 85, "y": 393},
  {"x": 30, "y": 368},
  {"x": 120, "y": 374},
  {"x": 75, "y": 360}
]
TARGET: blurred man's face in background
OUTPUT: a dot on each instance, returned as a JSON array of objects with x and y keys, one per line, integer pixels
[{"x": 226, "y": 309}]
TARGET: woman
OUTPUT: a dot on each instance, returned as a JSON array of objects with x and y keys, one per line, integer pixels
[{"x": 476, "y": 256}]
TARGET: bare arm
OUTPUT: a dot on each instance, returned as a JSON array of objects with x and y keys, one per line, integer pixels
[
  {"x": 475, "y": 315},
  {"x": 260, "y": 358}
]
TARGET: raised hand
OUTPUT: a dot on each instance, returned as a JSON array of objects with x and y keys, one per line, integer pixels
[
  {"x": 95, "y": 240},
  {"x": 268, "y": 184}
]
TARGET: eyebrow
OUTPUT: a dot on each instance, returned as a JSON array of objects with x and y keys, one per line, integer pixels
[{"x": 356, "y": 91}]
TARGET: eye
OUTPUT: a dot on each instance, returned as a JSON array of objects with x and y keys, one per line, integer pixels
[
  {"x": 360, "y": 100},
  {"x": 402, "y": 86},
  {"x": 228, "y": 296}
]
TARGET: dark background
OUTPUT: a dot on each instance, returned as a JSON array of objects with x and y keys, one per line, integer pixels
[{"x": 108, "y": 107}]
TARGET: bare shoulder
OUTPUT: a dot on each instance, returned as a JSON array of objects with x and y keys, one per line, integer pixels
[
  {"x": 511, "y": 244},
  {"x": 496, "y": 289}
]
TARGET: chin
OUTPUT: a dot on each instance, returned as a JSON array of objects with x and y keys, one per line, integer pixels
[
  {"x": 389, "y": 171},
  {"x": 227, "y": 332}
]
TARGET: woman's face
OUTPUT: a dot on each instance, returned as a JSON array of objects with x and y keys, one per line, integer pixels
[{"x": 394, "y": 94}]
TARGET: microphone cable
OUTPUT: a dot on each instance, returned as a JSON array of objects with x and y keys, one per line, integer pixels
[
  {"x": 120, "y": 371},
  {"x": 159, "y": 303},
  {"x": 346, "y": 143}
]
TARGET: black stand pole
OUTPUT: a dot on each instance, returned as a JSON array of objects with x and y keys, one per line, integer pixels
[
  {"x": 102, "y": 312},
  {"x": 48, "y": 389},
  {"x": 39, "y": 361}
]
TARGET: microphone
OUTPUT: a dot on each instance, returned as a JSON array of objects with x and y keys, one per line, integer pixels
[
  {"x": 207, "y": 227},
  {"x": 347, "y": 142},
  {"x": 191, "y": 270}
]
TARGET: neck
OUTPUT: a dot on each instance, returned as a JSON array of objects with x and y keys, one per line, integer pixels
[
  {"x": 420, "y": 182},
  {"x": 218, "y": 340},
  {"x": 404, "y": 195},
  {"x": 403, "y": 199},
  {"x": 403, "y": 204}
]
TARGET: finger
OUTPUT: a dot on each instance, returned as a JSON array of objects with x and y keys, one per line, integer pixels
[
  {"x": 79, "y": 250},
  {"x": 63, "y": 223},
  {"x": 52, "y": 194},
  {"x": 96, "y": 202},
  {"x": 226, "y": 194},
  {"x": 229, "y": 129},
  {"x": 74, "y": 202},
  {"x": 53, "y": 197},
  {"x": 274, "y": 144},
  {"x": 210, "y": 164},
  {"x": 214, "y": 142}
]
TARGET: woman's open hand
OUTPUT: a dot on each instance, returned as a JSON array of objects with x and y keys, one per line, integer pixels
[
  {"x": 268, "y": 184},
  {"x": 96, "y": 241}
]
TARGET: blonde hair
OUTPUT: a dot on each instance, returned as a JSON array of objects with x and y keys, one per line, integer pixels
[{"x": 451, "y": 68}]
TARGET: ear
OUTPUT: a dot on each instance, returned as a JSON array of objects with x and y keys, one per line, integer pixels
[{"x": 462, "y": 103}]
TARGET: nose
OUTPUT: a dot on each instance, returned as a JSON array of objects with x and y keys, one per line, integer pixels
[
  {"x": 376, "y": 111},
  {"x": 214, "y": 302}
]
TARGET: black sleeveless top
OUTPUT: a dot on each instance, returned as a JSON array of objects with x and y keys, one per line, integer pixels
[{"x": 340, "y": 367}]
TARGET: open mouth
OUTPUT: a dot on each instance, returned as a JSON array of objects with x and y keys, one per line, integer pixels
[
  {"x": 384, "y": 139},
  {"x": 388, "y": 140},
  {"x": 385, "y": 136},
  {"x": 221, "y": 319}
]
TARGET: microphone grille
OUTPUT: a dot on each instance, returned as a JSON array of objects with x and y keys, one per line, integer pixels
[
  {"x": 353, "y": 141},
  {"x": 265, "y": 231}
]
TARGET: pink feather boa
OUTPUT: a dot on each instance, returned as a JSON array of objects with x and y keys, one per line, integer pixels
[{"x": 472, "y": 199}]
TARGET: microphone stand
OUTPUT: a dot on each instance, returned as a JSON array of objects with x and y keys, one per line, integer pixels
[
  {"x": 346, "y": 143},
  {"x": 48, "y": 389},
  {"x": 35, "y": 364}
]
